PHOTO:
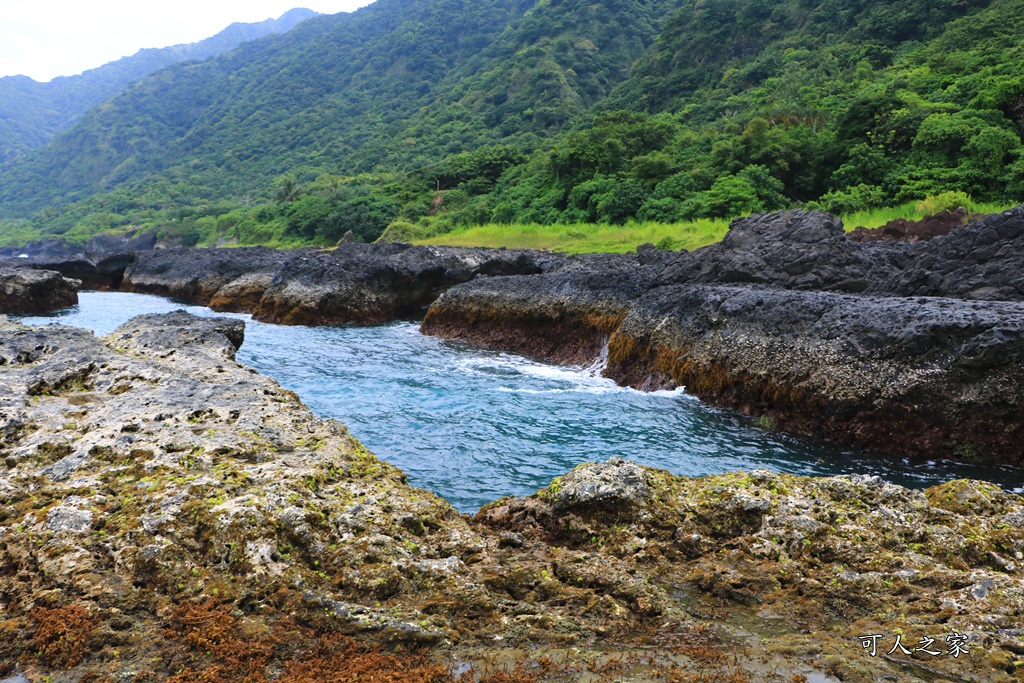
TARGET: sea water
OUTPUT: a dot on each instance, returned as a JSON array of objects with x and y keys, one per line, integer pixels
[{"x": 474, "y": 425}]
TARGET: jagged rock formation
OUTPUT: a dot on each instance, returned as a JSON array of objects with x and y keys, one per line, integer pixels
[
  {"x": 361, "y": 283},
  {"x": 24, "y": 290},
  {"x": 787, "y": 318},
  {"x": 161, "y": 501}
]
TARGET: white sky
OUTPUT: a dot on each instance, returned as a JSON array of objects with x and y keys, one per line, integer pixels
[{"x": 48, "y": 38}]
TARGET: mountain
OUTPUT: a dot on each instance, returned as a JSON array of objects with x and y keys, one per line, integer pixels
[
  {"x": 430, "y": 114},
  {"x": 399, "y": 83},
  {"x": 32, "y": 113}
]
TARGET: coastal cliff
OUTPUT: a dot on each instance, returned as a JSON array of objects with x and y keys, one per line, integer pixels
[{"x": 168, "y": 514}]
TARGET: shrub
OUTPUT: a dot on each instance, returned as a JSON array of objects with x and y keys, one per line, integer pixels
[{"x": 947, "y": 201}]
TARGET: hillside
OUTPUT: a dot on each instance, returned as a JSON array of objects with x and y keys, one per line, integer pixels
[
  {"x": 432, "y": 115},
  {"x": 33, "y": 113}
]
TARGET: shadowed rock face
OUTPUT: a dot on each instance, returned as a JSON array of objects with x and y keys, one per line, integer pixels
[
  {"x": 24, "y": 290},
  {"x": 159, "y": 499},
  {"x": 914, "y": 348}
]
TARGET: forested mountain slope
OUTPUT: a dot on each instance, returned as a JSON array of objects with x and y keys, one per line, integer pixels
[
  {"x": 399, "y": 82},
  {"x": 439, "y": 113},
  {"x": 32, "y": 113}
]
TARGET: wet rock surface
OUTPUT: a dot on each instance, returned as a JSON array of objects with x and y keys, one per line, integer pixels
[
  {"x": 168, "y": 514},
  {"x": 913, "y": 348},
  {"x": 26, "y": 290}
]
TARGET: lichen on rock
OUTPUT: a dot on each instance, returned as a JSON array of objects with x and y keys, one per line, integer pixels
[{"x": 179, "y": 517}]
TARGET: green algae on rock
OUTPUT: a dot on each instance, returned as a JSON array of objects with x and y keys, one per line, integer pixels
[{"x": 168, "y": 514}]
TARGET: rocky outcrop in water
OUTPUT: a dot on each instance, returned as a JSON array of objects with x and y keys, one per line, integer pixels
[
  {"x": 52, "y": 248},
  {"x": 199, "y": 275},
  {"x": 167, "y": 514},
  {"x": 25, "y": 290},
  {"x": 360, "y": 283},
  {"x": 914, "y": 348},
  {"x": 371, "y": 283},
  {"x": 913, "y": 376},
  {"x": 564, "y": 315},
  {"x": 99, "y": 264}
]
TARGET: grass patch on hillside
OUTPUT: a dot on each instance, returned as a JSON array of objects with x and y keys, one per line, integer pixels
[{"x": 582, "y": 238}]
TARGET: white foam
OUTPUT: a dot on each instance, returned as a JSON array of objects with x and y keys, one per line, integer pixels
[
  {"x": 588, "y": 379},
  {"x": 579, "y": 389},
  {"x": 678, "y": 392},
  {"x": 600, "y": 364}
]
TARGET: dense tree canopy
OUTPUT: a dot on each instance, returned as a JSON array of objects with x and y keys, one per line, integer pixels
[{"x": 432, "y": 114}]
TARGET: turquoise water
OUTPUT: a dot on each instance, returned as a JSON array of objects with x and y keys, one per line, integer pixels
[{"x": 474, "y": 425}]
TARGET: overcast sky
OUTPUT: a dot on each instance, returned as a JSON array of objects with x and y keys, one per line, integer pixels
[{"x": 66, "y": 37}]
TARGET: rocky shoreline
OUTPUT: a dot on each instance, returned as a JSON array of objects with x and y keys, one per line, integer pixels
[
  {"x": 908, "y": 341},
  {"x": 26, "y": 290},
  {"x": 167, "y": 514},
  {"x": 355, "y": 283},
  {"x": 911, "y": 348}
]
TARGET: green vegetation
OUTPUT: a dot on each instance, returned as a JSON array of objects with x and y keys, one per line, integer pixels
[
  {"x": 586, "y": 237},
  {"x": 32, "y": 113},
  {"x": 581, "y": 238},
  {"x": 548, "y": 124}
]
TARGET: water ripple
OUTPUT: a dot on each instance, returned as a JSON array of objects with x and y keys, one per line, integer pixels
[{"x": 473, "y": 425}]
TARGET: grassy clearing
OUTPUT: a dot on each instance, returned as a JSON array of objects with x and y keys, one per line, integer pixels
[{"x": 581, "y": 238}]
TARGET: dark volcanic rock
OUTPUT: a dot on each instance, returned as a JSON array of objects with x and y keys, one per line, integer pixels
[
  {"x": 805, "y": 250},
  {"x": 922, "y": 376},
  {"x": 197, "y": 275},
  {"x": 24, "y": 290},
  {"x": 361, "y": 283},
  {"x": 981, "y": 260},
  {"x": 564, "y": 315},
  {"x": 103, "y": 273},
  {"x": 52, "y": 248},
  {"x": 105, "y": 244},
  {"x": 369, "y": 283}
]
